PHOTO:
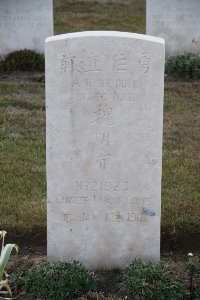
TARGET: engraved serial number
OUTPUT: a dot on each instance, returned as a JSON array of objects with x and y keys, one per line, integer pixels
[{"x": 103, "y": 186}]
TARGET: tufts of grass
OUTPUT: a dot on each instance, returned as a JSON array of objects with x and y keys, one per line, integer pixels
[
  {"x": 151, "y": 281},
  {"x": 22, "y": 60},
  {"x": 58, "y": 280},
  {"x": 3, "y": 103},
  {"x": 185, "y": 66}
]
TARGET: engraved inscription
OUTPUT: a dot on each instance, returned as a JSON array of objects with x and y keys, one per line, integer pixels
[
  {"x": 101, "y": 160},
  {"x": 91, "y": 83},
  {"x": 184, "y": 15},
  {"x": 72, "y": 64},
  {"x": 136, "y": 216},
  {"x": 144, "y": 61},
  {"x": 21, "y": 18},
  {"x": 120, "y": 63},
  {"x": 95, "y": 64},
  {"x": 103, "y": 114},
  {"x": 76, "y": 200},
  {"x": 107, "y": 200},
  {"x": 103, "y": 97},
  {"x": 123, "y": 97},
  {"x": 102, "y": 138},
  {"x": 125, "y": 83},
  {"x": 72, "y": 217},
  {"x": 102, "y": 186}
]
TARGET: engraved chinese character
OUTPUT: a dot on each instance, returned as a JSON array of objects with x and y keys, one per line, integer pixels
[
  {"x": 132, "y": 217},
  {"x": 91, "y": 64},
  {"x": 66, "y": 63},
  {"x": 120, "y": 63},
  {"x": 104, "y": 114},
  {"x": 144, "y": 61},
  {"x": 101, "y": 160},
  {"x": 72, "y": 64},
  {"x": 102, "y": 138}
]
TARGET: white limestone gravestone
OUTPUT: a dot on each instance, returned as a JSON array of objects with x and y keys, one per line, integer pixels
[
  {"x": 25, "y": 24},
  {"x": 178, "y": 22},
  {"x": 104, "y": 102}
]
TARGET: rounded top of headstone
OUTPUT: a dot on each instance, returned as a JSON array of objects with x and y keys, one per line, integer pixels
[{"x": 105, "y": 34}]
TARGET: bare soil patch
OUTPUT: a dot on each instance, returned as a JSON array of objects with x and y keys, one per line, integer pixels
[{"x": 19, "y": 76}]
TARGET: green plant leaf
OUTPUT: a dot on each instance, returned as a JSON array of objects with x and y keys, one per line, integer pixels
[{"x": 5, "y": 254}]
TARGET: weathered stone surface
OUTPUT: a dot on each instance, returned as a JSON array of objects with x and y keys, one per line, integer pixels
[
  {"x": 25, "y": 24},
  {"x": 178, "y": 22},
  {"x": 104, "y": 99}
]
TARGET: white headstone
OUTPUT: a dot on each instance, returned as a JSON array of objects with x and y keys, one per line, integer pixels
[
  {"x": 104, "y": 100},
  {"x": 25, "y": 24},
  {"x": 178, "y": 22}
]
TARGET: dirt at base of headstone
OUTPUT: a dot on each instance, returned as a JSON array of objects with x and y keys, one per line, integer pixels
[
  {"x": 108, "y": 1},
  {"x": 29, "y": 256},
  {"x": 24, "y": 76}
]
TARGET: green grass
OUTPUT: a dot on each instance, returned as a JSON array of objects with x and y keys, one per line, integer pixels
[
  {"x": 73, "y": 16},
  {"x": 181, "y": 165},
  {"x": 22, "y": 160}
]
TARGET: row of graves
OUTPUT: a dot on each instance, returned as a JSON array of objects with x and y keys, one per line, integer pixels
[{"x": 25, "y": 24}]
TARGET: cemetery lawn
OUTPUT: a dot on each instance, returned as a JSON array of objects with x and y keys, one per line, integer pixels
[
  {"x": 181, "y": 164},
  {"x": 22, "y": 172},
  {"x": 73, "y": 15}
]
